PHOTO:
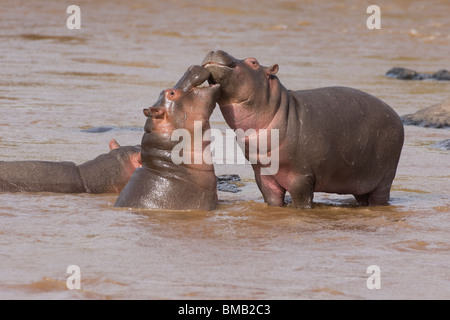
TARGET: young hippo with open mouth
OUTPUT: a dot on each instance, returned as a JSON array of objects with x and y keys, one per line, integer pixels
[
  {"x": 334, "y": 139},
  {"x": 163, "y": 183}
]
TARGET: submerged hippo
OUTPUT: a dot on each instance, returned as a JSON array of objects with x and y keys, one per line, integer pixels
[
  {"x": 108, "y": 173},
  {"x": 161, "y": 183},
  {"x": 334, "y": 139}
]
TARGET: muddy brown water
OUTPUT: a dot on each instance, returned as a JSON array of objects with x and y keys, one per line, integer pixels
[{"x": 57, "y": 83}]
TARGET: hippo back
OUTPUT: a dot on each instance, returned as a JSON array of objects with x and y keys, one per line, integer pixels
[{"x": 40, "y": 176}]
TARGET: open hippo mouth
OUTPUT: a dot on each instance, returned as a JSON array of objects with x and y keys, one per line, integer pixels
[
  {"x": 217, "y": 71},
  {"x": 219, "y": 63},
  {"x": 191, "y": 86},
  {"x": 193, "y": 77}
]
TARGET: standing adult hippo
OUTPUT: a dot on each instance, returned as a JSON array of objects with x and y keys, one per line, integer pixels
[
  {"x": 163, "y": 183},
  {"x": 107, "y": 173},
  {"x": 334, "y": 139}
]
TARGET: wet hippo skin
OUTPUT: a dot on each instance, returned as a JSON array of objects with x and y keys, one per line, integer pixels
[
  {"x": 161, "y": 183},
  {"x": 108, "y": 173},
  {"x": 335, "y": 139}
]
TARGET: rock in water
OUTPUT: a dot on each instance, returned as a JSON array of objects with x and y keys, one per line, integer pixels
[
  {"x": 408, "y": 74},
  {"x": 228, "y": 183},
  {"x": 445, "y": 145},
  {"x": 441, "y": 75},
  {"x": 402, "y": 73},
  {"x": 436, "y": 116}
]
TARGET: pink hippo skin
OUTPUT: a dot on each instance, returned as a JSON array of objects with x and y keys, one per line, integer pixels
[
  {"x": 161, "y": 183},
  {"x": 108, "y": 173},
  {"x": 333, "y": 139}
]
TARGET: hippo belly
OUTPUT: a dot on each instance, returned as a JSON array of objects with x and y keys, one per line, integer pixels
[{"x": 340, "y": 140}]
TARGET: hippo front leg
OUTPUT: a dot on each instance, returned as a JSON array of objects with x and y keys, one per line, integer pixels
[{"x": 272, "y": 192}]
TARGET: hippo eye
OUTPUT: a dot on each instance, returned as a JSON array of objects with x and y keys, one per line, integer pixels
[{"x": 170, "y": 94}]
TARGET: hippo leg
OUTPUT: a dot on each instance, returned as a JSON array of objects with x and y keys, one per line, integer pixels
[
  {"x": 302, "y": 192},
  {"x": 272, "y": 192},
  {"x": 380, "y": 196},
  {"x": 362, "y": 200}
]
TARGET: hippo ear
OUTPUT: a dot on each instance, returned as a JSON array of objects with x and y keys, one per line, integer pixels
[
  {"x": 156, "y": 112},
  {"x": 113, "y": 144},
  {"x": 136, "y": 160},
  {"x": 146, "y": 113},
  {"x": 272, "y": 70}
]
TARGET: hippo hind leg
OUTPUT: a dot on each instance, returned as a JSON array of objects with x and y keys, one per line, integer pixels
[
  {"x": 302, "y": 192},
  {"x": 362, "y": 200},
  {"x": 380, "y": 196}
]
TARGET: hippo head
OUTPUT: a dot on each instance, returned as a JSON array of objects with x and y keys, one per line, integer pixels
[
  {"x": 180, "y": 106},
  {"x": 128, "y": 158},
  {"x": 242, "y": 81},
  {"x": 183, "y": 109}
]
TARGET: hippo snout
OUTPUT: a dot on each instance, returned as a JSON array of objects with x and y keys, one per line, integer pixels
[
  {"x": 219, "y": 57},
  {"x": 193, "y": 77},
  {"x": 207, "y": 58}
]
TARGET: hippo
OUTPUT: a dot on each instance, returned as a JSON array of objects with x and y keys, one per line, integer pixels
[
  {"x": 333, "y": 139},
  {"x": 161, "y": 182},
  {"x": 107, "y": 173}
]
